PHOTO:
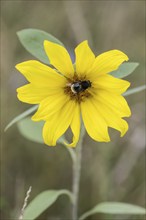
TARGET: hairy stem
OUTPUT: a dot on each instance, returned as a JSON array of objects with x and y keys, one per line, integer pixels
[{"x": 76, "y": 175}]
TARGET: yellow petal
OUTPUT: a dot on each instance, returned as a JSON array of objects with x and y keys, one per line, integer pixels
[
  {"x": 50, "y": 106},
  {"x": 40, "y": 74},
  {"x": 59, "y": 58},
  {"x": 84, "y": 58},
  {"x": 110, "y": 84},
  {"x": 94, "y": 122},
  {"x": 112, "y": 109},
  {"x": 58, "y": 123},
  {"x": 106, "y": 63},
  {"x": 116, "y": 103},
  {"x": 75, "y": 126},
  {"x": 33, "y": 95}
]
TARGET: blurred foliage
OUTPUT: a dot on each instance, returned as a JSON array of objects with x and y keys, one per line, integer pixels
[{"x": 111, "y": 172}]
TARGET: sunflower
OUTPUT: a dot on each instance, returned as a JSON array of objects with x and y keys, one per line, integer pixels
[{"x": 68, "y": 93}]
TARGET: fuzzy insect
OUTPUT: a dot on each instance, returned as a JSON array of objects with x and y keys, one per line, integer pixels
[{"x": 80, "y": 86}]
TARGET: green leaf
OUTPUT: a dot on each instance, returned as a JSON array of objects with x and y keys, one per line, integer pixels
[
  {"x": 135, "y": 90},
  {"x": 33, "y": 41},
  {"x": 124, "y": 70},
  {"x": 33, "y": 130},
  {"x": 115, "y": 208},
  {"x": 21, "y": 116},
  {"x": 43, "y": 201}
]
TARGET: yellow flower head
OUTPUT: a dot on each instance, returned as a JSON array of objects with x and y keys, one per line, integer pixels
[{"x": 67, "y": 91}]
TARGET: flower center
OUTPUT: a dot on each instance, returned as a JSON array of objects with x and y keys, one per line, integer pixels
[{"x": 78, "y": 89}]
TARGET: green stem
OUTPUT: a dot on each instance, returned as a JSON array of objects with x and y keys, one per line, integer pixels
[{"x": 76, "y": 175}]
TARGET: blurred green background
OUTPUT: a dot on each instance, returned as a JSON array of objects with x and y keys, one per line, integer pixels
[{"x": 110, "y": 172}]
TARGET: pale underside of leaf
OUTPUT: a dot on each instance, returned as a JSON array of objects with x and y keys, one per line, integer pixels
[
  {"x": 21, "y": 116},
  {"x": 115, "y": 208},
  {"x": 33, "y": 131},
  {"x": 33, "y": 42},
  {"x": 135, "y": 90},
  {"x": 124, "y": 70}
]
